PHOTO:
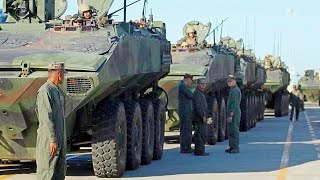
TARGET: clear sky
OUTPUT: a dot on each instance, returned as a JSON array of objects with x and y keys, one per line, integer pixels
[{"x": 299, "y": 30}]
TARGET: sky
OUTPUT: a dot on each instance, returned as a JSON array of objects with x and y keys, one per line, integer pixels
[{"x": 289, "y": 28}]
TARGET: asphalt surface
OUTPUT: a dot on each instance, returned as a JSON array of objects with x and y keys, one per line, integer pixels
[{"x": 275, "y": 149}]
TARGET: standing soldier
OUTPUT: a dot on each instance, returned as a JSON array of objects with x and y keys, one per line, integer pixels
[
  {"x": 301, "y": 97},
  {"x": 200, "y": 118},
  {"x": 191, "y": 38},
  {"x": 185, "y": 113},
  {"x": 295, "y": 102},
  {"x": 85, "y": 11},
  {"x": 234, "y": 114},
  {"x": 51, "y": 135}
]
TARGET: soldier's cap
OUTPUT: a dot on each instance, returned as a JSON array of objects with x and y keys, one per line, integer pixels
[
  {"x": 201, "y": 81},
  {"x": 231, "y": 77},
  {"x": 57, "y": 66},
  {"x": 188, "y": 76}
]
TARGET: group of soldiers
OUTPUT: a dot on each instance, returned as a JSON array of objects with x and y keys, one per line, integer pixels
[{"x": 193, "y": 110}]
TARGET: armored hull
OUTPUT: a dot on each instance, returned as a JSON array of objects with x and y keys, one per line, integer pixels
[
  {"x": 113, "y": 74},
  {"x": 310, "y": 86},
  {"x": 277, "y": 96}
]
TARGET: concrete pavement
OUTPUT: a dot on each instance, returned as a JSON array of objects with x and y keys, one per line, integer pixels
[{"x": 276, "y": 149}]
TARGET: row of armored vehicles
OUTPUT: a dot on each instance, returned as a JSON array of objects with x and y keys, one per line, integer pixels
[
  {"x": 121, "y": 79},
  {"x": 261, "y": 86}
]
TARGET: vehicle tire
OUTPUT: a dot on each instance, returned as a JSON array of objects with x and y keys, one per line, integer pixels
[
  {"x": 109, "y": 140},
  {"x": 250, "y": 110},
  {"x": 278, "y": 105},
  {"x": 244, "y": 124},
  {"x": 263, "y": 106},
  {"x": 134, "y": 134},
  {"x": 213, "y": 128},
  {"x": 255, "y": 110},
  {"x": 222, "y": 121},
  {"x": 147, "y": 131},
  {"x": 258, "y": 104},
  {"x": 159, "y": 123}
]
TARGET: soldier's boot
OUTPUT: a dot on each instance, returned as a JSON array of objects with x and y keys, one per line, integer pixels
[
  {"x": 228, "y": 150},
  {"x": 234, "y": 151}
]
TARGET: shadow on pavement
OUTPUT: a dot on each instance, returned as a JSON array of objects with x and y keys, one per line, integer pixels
[{"x": 261, "y": 151}]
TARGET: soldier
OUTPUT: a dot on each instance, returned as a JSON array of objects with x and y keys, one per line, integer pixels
[
  {"x": 185, "y": 113},
  {"x": 85, "y": 11},
  {"x": 51, "y": 135},
  {"x": 191, "y": 38},
  {"x": 200, "y": 118},
  {"x": 234, "y": 114},
  {"x": 295, "y": 102},
  {"x": 301, "y": 97}
]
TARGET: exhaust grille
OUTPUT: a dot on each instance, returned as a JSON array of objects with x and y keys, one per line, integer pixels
[{"x": 78, "y": 85}]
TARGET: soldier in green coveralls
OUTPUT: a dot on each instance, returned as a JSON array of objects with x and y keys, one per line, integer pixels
[
  {"x": 185, "y": 113},
  {"x": 51, "y": 135},
  {"x": 234, "y": 114},
  {"x": 200, "y": 118}
]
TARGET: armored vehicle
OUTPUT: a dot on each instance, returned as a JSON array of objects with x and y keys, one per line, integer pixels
[
  {"x": 278, "y": 79},
  {"x": 215, "y": 64},
  {"x": 251, "y": 77},
  {"x": 111, "y": 94},
  {"x": 310, "y": 86}
]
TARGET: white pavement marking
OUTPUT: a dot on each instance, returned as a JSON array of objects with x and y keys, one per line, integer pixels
[
  {"x": 73, "y": 156},
  {"x": 282, "y": 174},
  {"x": 312, "y": 132}
]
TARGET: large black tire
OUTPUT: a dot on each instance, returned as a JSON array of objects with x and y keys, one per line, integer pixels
[
  {"x": 250, "y": 110},
  {"x": 244, "y": 124},
  {"x": 258, "y": 104},
  {"x": 147, "y": 131},
  {"x": 213, "y": 128},
  {"x": 134, "y": 134},
  {"x": 287, "y": 104},
  {"x": 255, "y": 110},
  {"x": 263, "y": 106},
  {"x": 222, "y": 121},
  {"x": 109, "y": 140},
  {"x": 159, "y": 123},
  {"x": 278, "y": 105}
]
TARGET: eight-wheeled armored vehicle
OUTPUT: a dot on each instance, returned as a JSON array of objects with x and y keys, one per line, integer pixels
[{"x": 111, "y": 88}]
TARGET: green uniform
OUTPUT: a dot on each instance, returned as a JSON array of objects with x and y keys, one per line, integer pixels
[
  {"x": 190, "y": 41},
  {"x": 185, "y": 116},
  {"x": 50, "y": 109},
  {"x": 233, "y": 105},
  {"x": 200, "y": 111}
]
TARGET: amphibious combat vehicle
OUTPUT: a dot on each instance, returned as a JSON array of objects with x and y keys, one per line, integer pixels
[
  {"x": 111, "y": 87},
  {"x": 310, "y": 86},
  {"x": 212, "y": 62},
  {"x": 278, "y": 79}
]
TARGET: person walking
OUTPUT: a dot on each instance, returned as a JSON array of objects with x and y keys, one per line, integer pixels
[
  {"x": 234, "y": 114},
  {"x": 51, "y": 135},
  {"x": 295, "y": 102}
]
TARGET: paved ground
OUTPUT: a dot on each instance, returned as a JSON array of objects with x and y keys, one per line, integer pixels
[{"x": 276, "y": 149}]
